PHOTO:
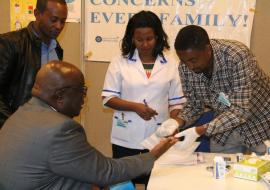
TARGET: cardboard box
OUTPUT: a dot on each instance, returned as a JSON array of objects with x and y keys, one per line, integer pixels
[{"x": 251, "y": 168}]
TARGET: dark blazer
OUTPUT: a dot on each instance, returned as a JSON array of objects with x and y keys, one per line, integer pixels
[
  {"x": 43, "y": 149},
  {"x": 20, "y": 60}
]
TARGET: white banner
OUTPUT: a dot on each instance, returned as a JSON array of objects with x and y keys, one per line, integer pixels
[{"x": 106, "y": 20}]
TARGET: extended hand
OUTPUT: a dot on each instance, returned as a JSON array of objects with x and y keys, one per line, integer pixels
[
  {"x": 163, "y": 146},
  {"x": 190, "y": 135},
  {"x": 167, "y": 128}
]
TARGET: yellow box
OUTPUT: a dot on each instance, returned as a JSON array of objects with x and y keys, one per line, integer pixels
[{"x": 251, "y": 168}]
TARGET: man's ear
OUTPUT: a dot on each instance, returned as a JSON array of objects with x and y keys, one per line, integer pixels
[
  {"x": 208, "y": 49},
  {"x": 36, "y": 90},
  {"x": 37, "y": 14}
]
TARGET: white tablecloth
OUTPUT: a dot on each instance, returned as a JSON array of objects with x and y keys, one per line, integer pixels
[{"x": 196, "y": 177}]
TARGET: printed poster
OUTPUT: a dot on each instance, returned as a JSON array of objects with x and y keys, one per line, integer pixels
[{"x": 106, "y": 20}]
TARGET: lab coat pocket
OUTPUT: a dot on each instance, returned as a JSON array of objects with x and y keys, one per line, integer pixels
[{"x": 120, "y": 129}]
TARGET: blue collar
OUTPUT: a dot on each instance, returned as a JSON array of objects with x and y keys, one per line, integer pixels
[{"x": 135, "y": 56}]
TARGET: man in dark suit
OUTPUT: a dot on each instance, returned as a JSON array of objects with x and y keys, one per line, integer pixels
[{"x": 42, "y": 147}]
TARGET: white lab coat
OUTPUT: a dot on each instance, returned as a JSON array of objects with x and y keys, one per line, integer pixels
[{"x": 126, "y": 79}]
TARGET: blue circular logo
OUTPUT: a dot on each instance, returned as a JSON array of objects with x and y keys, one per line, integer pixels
[{"x": 98, "y": 39}]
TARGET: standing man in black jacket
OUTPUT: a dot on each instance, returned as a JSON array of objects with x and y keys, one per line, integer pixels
[{"x": 23, "y": 52}]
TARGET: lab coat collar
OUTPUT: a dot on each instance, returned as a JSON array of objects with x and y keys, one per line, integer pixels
[
  {"x": 159, "y": 63},
  {"x": 136, "y": 57}
]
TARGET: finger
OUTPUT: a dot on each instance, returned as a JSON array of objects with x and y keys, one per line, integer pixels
[
  {"x": 141, "y": 116},
  {"x": 147, "y": 117},
  {"x": 144, "y": 117},
  {"x": 153, "y": 115},
  {"x": 151, "y": 111},
  {"x": 172, "y": 142}
]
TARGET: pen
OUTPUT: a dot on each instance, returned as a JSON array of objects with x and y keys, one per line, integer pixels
[{"x": 145, "y": 103}]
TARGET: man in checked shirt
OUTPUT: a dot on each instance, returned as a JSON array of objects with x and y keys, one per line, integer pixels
[{"x": 224, "y": 76}]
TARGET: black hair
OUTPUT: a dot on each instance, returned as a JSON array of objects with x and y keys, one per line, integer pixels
[
  {"x": 42, "y": 4},
  {"x": 144, "y": 19},
  {"x": 191, "y": 37}
]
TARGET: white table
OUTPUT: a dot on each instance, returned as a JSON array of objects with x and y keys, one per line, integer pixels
[{"x": 196, "y": 177}]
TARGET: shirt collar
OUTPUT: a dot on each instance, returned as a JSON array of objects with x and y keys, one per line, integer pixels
[
  {"x": 135, "y": 57},
  {"x": 52, "y": 44}
]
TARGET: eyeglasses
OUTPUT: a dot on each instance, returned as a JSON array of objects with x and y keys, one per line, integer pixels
[{"x": 82, "y": 89}]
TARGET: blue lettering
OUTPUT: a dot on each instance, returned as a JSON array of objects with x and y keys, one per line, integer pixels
[
  {"x": 216, "y": 17},
  {"x": 125, "y": 2},
  {"x": 94, "y": 17},
  {"x": 144, "y": 2},
  {"x": 107, "y": 2},
  {"x": 149, "y": 3},
  {"x": 179, "y": 2},
  {"x": 130, "y": 15},
  {"x": 190, "y": 3},
  {"x": 119, "y": 18},
  {"x": 234, "y": 21},
  {"x": 106, "y": 17},
  {"x": 207, "y": 20},
  {"x": 176, "y": 20},
  {"x": 163, "y": 2},
  {"x": 164, "y": 17},
  {"x": 93, "y": 2},
  {"x": 190, "y": 20},
  {"x": 215, "y": 20},
  {"x": 133, "y": 2}
]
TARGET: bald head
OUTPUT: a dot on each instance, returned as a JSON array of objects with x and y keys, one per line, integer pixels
[{"x": 55, "y": 83}]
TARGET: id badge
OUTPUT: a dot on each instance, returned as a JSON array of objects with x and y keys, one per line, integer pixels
[
  {"x": 121, "y": 123},
  {"x": 222, "y": 98}
]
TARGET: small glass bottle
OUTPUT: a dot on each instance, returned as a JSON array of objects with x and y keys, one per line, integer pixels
[{"x": 219, "y": 170}]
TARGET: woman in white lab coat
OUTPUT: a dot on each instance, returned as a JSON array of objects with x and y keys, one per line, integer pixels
[{"x": 142, "y": 85}]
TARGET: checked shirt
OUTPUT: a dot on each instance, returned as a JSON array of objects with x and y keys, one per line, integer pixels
[{"x": 237, "y": 75}]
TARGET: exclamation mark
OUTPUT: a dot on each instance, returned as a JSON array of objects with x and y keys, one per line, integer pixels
[{"x": 245, "y": 20}]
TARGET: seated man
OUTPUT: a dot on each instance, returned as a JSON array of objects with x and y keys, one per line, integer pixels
[{"x": 43, "y": 148}]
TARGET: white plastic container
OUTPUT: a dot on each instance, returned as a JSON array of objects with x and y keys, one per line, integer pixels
[{"x": 219, "y": 167}]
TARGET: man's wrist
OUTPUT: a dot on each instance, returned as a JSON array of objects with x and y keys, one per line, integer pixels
[{"x": 201, "y": 129}]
